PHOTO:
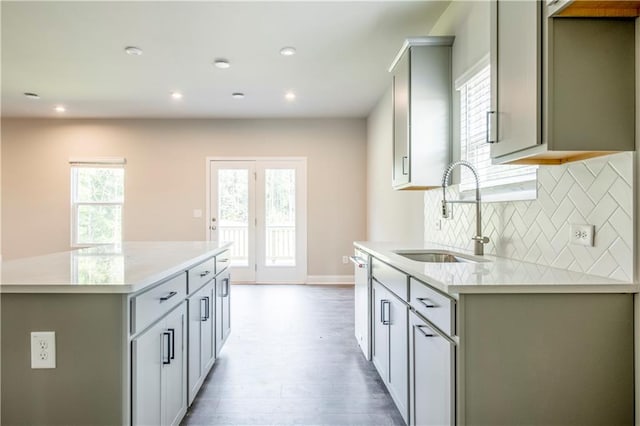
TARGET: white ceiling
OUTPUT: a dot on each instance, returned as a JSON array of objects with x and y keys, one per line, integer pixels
[{"x": 72, "y": 53}]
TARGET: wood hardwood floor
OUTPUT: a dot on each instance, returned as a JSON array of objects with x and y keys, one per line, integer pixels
[{"x": 292, "y": 359}]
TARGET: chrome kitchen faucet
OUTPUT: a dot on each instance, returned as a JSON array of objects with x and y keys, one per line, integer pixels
[{"x": 478, "y": 240}]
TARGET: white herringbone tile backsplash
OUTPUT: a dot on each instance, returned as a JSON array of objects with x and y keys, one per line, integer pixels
[{"x": 596, "y": 191}]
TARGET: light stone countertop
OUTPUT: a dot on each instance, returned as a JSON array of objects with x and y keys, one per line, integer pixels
[
  {"x": 123, "y": 268},
  {"x": 495, "y": 275}
]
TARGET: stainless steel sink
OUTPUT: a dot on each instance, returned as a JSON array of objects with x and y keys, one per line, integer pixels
[{"x": 437, "y": 256}]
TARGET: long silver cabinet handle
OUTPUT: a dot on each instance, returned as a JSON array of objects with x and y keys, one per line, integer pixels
[
  {"x": 172, "y": 331},
  {"x": 490, "y": 139},
  {"x": 203, "y": 311},
  {"x": 166, "y": 348},
  {"x": 358, "y": 261},
  {"x": 386, "y": 319},
  {"x": 168, "y": 296},
  {"x": 420, "y": 329},
  {"x": 425, "y": 304}
]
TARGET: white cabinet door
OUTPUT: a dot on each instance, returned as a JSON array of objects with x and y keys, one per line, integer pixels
[
  {"x": 147, "y": 372},
  {"x": 174, "y": 373},
  {"x": 381, "y": 305},
  {"x": 160, "y": 372},
  {"x": 432, "y": 376},
  {"x": 223, "y": 309},
  {"x": 398, "y": 355},
  {"x": 516, "y": 75},
  {"x": 401, "y": 121},
  {"x": 200, "y": 337},
  {"x": 208, "y": 318},
  {"x": 362, "y": 302}
]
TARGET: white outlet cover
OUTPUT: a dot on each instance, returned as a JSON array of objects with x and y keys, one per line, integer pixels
[
  {"x": 581, "y": 234},
  {"x": 197, "y": 213},
  {"x": 43, "y": 349}
]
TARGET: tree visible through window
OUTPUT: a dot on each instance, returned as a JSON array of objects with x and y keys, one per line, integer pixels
[{"x": 97, "y": 197}]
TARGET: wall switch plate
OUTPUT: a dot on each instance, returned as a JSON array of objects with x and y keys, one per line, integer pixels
[
  {"x": 43, "y": 349},
  {"x": 345, "y": 259},
  {"x": 582, "y": 234}
]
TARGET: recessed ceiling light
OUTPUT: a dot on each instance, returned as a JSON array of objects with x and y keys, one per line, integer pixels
[
  {"x": 60, "y": 108},
  {"x": 288, "y": 51},
  {"x": 221, "y": 63},
  {"x": 237, "y": 95},
  {"x": 290, "y": 96},
  {"x": 176, "y": 95},
  {"x": 32, "y": 95},
  {"x": 133, "y": 51}
]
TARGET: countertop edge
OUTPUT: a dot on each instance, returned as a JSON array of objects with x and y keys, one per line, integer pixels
[
  {"x": 453, "y": 290},
  {"x": 123, "y": 289}
]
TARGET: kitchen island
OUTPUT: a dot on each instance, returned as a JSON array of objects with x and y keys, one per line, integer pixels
[
  {"x": 121, "y": 316},
  {"x": 488, "y": 340}
]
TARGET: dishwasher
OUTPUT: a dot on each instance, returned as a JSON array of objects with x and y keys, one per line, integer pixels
[{"x": 362, "y": 298}]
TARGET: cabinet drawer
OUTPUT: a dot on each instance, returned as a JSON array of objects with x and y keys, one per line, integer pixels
[
  {"x": 391, "y": 278},
  {"x": 200, "y": 274},
  {"x": 152, "y": 304},
  {"x": 222, "y": 261},
  {"x": 435, "y": 307}
]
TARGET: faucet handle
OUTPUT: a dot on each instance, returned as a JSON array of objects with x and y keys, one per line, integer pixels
[
  {"x": 481, "y": 240},
  {"x": 445, "y": 211}
]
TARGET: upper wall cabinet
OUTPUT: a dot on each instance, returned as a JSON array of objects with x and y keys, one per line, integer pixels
[
  {"x": 421, "y": 112},
  {"x": 563, "y": 88}
]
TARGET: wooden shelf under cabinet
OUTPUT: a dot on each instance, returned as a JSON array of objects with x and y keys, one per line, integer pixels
[{"x": 601, "y": 9}]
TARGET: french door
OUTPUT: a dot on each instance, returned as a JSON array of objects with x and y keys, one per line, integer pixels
[{"x": 260, "y": 206}]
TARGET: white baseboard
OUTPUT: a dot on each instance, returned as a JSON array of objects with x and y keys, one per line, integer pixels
[{"x": 329, "y": 279}]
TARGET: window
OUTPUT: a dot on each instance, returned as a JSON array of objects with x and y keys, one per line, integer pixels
[
  {"x": 97, "y": 198},
  {"x": 498, "y": 182}
]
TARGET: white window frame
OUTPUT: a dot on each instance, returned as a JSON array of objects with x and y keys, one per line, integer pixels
[
  {"x": 77, "y": 163},
  {"x": 521, "y": 182}
]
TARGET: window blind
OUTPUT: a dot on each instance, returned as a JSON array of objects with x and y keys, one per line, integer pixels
[{"x": 475, "y": 101}]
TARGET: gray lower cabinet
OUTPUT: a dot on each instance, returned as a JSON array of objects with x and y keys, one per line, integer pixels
[
  {"x": 223, "y": 308},
  {"x": 431, "y": 375},
  {"x": 391, "y": 345},
  {"x": 159, "y": 371},
  {"x": 201, "y": 337}
]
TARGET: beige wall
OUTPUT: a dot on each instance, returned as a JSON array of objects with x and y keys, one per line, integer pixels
[
  {"x": 391, "y": 215},
  {"x": 166, "y": 177}
]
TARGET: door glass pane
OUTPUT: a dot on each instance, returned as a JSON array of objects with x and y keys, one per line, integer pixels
[
  {"x": 233, "y": 213},
  {"x": 280, "y": 217}
]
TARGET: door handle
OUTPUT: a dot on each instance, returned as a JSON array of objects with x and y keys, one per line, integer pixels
[
  {"x": 226, "y": 287},
  {"x": 404, "y": 167},
  {"x": 491, "y": 138},
  {"x": 168, "y": 296},
  {"x": 203, "y": 311},
  {"x": 172, "y": 351},
  {"x": 385, "y": 319},
  {"x": 166, "y": 348},
  {"x": 425, "y": 304},
  {"x": 420, "y": 329}
]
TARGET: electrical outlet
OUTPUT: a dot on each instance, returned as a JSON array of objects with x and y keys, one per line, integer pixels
[
  {"x": 43, "y": 349},
  {"x": 345, "y": 259},
  {"x": 582, "y": 234},
  {"x": 438, "y": 225}
]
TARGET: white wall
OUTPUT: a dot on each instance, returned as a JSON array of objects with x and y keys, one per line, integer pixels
[
  {"x": 391, "y": 215},
  {"x": 166, "y": 177}
]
